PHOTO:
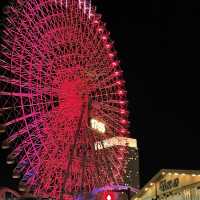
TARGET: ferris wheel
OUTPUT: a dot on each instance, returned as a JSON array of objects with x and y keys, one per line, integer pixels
[
  {"x": 7, "y": 193},
  {"x": 62, "y": 94}
]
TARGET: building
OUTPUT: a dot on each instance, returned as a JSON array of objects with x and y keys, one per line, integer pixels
[
  {"x": 171, "y": 185},
  {"x": 131, "y": 166},
  {"x": 132, "y": 162}
]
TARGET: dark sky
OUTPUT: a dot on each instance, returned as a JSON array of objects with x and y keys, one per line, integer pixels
[{"x": 158, "y": 43}]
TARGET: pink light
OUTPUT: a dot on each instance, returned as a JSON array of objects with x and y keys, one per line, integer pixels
[
  {"x": 114, "y": 64},
  {"x": 120, "y": 92},
  {"x": 100, "y": 29},
  {"x": 123, "y": 121},
  {"x": 108, "y": 46},
  {"x": 122, "y": 102},
  {"x": 119, "y": 82},
  {"x": 117, "y": 73},
  {"x": 111, "y": 55},
  {"x": 104, "y": 37},
  {"x": 96, "y": 22},
  {"x": 123, "y": 130},
  {"x": 122, "y": 111}
]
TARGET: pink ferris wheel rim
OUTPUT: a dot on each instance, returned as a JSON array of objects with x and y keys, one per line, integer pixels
[
  {"x": 5, "y": 190},
  {"x": 60, "y": 70}
]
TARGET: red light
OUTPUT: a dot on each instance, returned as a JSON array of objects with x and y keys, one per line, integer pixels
[
  {"x": 122, "y": 102},
  {"x": 120, "y": 92},
  {"x": 122, "y": 111},
  {"x": 108, "y": 46},
  {"x": 119, "y": 82},
  {"x": 114, "y": 64},
  {"x": 123, "y": 130},
  {"x": 108, "y": 197},
  {"x": 104, "y": 37},
  {"x": 123, "y": 121},
  {"x": 117, "y": 73},
  {"x": 111, "y": 55}
]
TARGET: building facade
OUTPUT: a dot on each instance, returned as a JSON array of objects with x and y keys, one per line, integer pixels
[
  {"x": 132, "y": 168},
  {"x": 131, "y": 175},
  {"x": 171, "y": 185}
]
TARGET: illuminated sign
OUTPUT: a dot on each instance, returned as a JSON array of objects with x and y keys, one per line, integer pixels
[
  {"x": 116, "y": 141},
  {"x": 168, "y": 184},
  {"x": 97, "y": 125}
]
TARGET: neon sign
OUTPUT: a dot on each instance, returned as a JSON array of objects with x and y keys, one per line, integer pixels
[
  {"x": 97, "y": 125},
  {"x": 115, "y": 141}
]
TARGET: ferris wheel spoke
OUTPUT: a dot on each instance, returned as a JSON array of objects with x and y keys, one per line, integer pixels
[
  {"x": 66, "y": 175},
  {"x": 106, "y": 162},
  {"x": 16, "y": 94},
  {"x": 27, "y": 149},
  {"x": 112, "y": 119},
  {"x": 25, "y": 85},
  {"x": 94, "y": 156},
  {"x": 89, "y": 176},
  {"x": 21, "y": 118},
  {"x": 84, "y": 157},
  {"x": 16, "y": 135}
]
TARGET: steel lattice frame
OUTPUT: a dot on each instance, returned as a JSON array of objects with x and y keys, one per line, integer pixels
[
  {"x": 5, "y": 192},
  {"x": 59, "y": 70}
]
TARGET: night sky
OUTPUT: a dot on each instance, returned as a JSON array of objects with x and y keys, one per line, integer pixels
[{"x": 158, "y": 44}]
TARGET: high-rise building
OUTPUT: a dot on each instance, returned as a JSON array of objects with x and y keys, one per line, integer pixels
[
  {"x": 132, "y": 168},
  {"x": 131, "y": 162}
]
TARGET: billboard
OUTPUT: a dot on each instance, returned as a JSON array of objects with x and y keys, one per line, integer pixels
[{"x": 115, "y": 141}]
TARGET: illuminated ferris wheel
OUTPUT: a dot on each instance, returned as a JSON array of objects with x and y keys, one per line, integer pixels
[
  {"x": 7, "y": 193},
  {"x": 62, "y": 93}
]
